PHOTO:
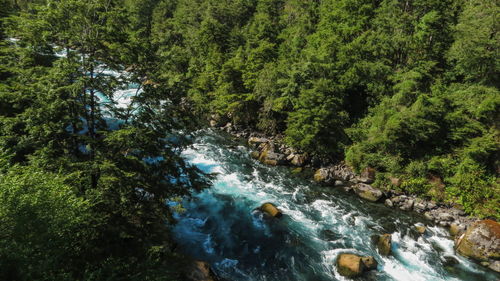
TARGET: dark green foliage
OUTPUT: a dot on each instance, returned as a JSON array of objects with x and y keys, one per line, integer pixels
[
  {"x": 82, "y": 200},
  {"x": 407, "y": 87}
]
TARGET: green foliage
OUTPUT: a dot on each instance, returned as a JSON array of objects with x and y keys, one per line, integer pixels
[
  {"x": 94, "y": 194},
  {"x": 475, "y": 189},
  {"x": 408, "y": 88},
  {"x": 44, "y": 226},
  {"x": 419, "y": 186},
  {"x": 475, "y": 49}
]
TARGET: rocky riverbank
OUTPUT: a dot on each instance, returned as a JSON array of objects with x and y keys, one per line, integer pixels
[{"x": 272, "y": 151}]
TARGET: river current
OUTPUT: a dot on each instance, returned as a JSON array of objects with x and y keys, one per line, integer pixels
[{"x": 221, "y": 227}]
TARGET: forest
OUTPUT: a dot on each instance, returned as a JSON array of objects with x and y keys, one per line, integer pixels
[{"x": 408, "y": 88}]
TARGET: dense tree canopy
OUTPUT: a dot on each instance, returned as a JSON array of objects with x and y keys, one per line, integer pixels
[{"x": 409, "y": 88}]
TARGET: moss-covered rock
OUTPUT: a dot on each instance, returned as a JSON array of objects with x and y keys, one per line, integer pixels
[
  {"x": 368, "y": 192},
  {"x": 321, "y": 175}
]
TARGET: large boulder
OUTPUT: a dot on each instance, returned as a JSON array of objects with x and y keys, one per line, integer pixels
[
  {"x": 351, "y": 265},
  {"x": 368, "y": 192},
  {"x": 384, "y": 244},
  {"x": 200, "y": 271},
  {"x": 271, "y": 210},
  {"x": 481, "y": 242}
]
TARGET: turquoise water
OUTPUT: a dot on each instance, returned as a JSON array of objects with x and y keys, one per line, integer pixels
[{"x": 220, "y": 225}]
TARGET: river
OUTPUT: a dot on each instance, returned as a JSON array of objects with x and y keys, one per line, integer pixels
[{"x": 220, "y": 226}]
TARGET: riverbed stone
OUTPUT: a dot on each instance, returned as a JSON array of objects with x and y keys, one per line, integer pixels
[
  {"x": 495, "y": 265},
  {"x": 420, "y": 228},
  {"x": 384, "y": 244},
  {"x": 256, "y": 141},
  {"x": 269, "y": 157},
  {"x": 481, "y": 241},
  {"x": 420, "y": 205},
  {"x": 255, "y": 154},
  {"x": 321, "y": 175},
  {"x": 388, "y": 203},
  {"x": 299, "y": 160},
  {"x": 449, "y": 261},
  {"x": 444, "y": 216},
  {"x": 351, "y": 265},
  {"x": 271, "y": 210},
  {"x": 338, "y": 183},
  {"x": 407, "y": 205},
  {"x": 368, "y": 192}
]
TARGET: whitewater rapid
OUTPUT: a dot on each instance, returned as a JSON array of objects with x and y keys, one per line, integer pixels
[{"x": 220, "y": 226}]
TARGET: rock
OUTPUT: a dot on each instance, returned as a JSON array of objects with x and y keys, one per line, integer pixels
[
  {"x": 397, "y": 200},
  {"x": 367, "y": 175},
  {"x": 444, "y": 223},
  {"x": 271, "y": 210},
  {"x": 369, "y": 262},
  {"x": 388, "y": 203},
  {"x": 351, "y": 265},
  {"x": 269, "y": 157},
  {"x": 445, "y": 217},
  {"x": 255, "y": 141},
  {"x": 456, "y": 229},
  {"x": 200, "y": 271},
  {"x": 290, "y": 157},
  {"x": 329, "y": 235},
  {"x": 431, "y": 205},
  {"x": 481, "y": 241},
  {"x": 213, "y": 123},
  {"x": 419, "y": 205},
  {"x": 299, "y": 160},
  {"x": 449, "y": 261},
  {"x": 255, "y": 154},
  {"x": 495, "y": 265},
  {"x": 368, "y": 192},
  {"x": 347, "y": 188},
  {"x": 321, "y": 175},
  {"x": 429, "y": 216},
  {"x": 407, "y": 205},
  {"x": 420, "y": 228},
  {"x": 384, "y": 244},
  {"x": 338, "y": 183},
  {"x": 342, "y": 172},
  {"x": 297, "y": 170}
]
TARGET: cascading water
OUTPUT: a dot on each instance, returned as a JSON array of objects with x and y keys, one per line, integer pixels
[{"x": 220, "y": 226}]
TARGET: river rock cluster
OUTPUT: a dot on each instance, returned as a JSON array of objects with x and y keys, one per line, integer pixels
[{"x": 475, "y": 239}]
